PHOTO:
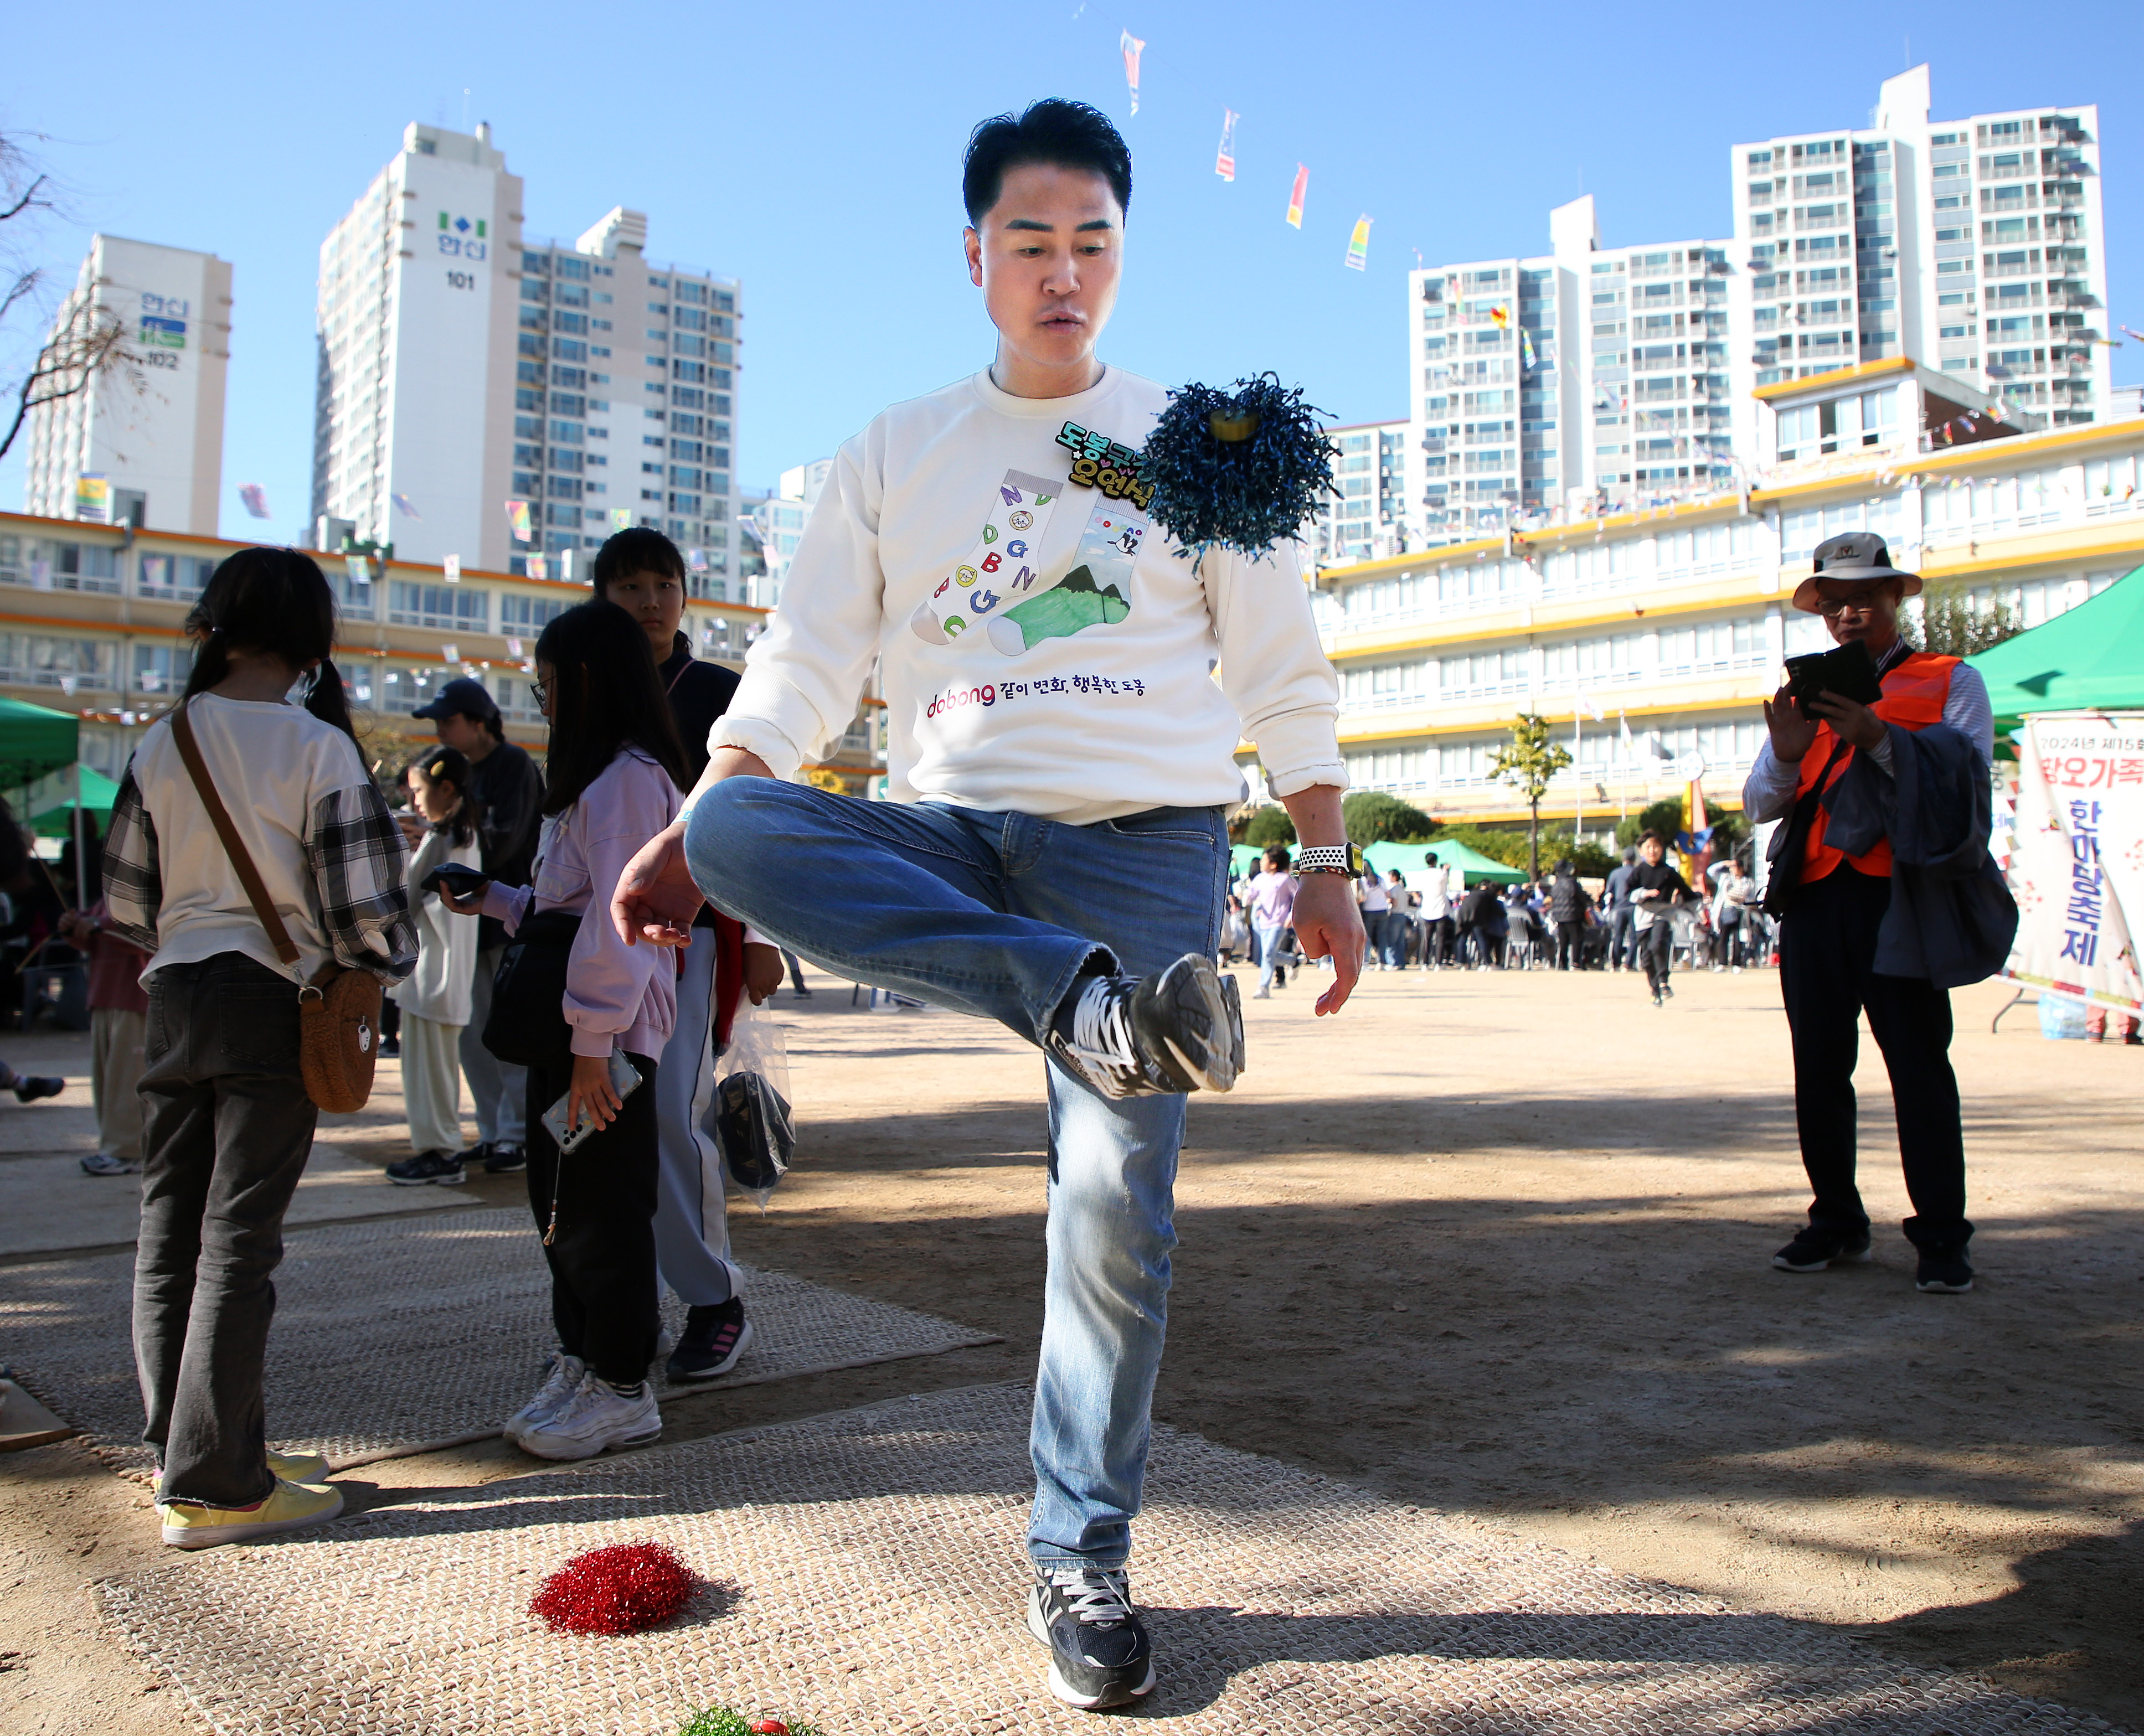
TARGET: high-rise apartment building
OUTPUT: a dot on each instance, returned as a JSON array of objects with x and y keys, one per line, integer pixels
[
  {"x": 510, "y": 402},
  {"x": 1591, "y": 378},
  {"x": 1582, "y": 376},
  {"x": 777, "y": 522},
  {"x": 1368, "y": 518},
  {"x": 115, "y": 453},
  {"x": 1974, "y": 246}
]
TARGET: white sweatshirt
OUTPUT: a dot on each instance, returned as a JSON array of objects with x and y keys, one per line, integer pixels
[{"x": 1040, "y": 651}]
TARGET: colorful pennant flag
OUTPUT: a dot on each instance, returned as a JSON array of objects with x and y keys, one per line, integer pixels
[
  {"x": 1225, "y": 164},
  {"x": 1296, "y": 198},
  {"x": 1526, "y": 357},
  {"x": 1358, "y": 244},
  {"x": 621, "y": 518},
  {"x": 451, "y": 567},
  {"x": 1131, "y": 45},
  {"x": 517, "y": 519},
  {"x": 1502, "y": 316},
  {"x": 255, "y": 498},
  {"x": 536, "y": 566},
  {"x": 404, "y": 505}
]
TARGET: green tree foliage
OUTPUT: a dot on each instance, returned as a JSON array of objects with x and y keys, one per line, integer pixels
[
  {"x": 1951, "y": 625},
  {"x": 1516, "y": 849},
  {"x": 1373, "y": 817},
  {"x": 1664, "y": 816},
  {"x": 1529, "y": 765},
  {"x": 1270, "y": 824}
]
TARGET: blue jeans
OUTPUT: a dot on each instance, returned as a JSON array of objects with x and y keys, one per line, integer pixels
[
  {"x": 998, "y": 915},
  {"x": 1269, "y": 939}
]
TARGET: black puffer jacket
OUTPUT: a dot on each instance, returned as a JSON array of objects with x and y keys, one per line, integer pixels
[{"x": 1567, "y": 900}]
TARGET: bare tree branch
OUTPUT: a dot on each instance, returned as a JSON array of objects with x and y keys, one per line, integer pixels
[
  {"x": 90, "y": 340},
  {"x": 87, "y": 339},
  {"x": 28, "y": 200}
]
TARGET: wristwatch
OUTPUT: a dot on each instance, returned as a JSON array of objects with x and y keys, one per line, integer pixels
[{"x": 1331, "y": 858}]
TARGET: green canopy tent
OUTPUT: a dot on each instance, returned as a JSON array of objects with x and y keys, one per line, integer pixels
[
  {"x": 2091, "y": 658},
  {"x": 98, "y": 793},
  {"x": 1408, "y": 858},
  {"x": 34, "y": 742},
  {"x": 1450, "y": 853}
]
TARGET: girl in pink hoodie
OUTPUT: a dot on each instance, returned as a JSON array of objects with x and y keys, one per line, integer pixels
[{"x": 614, "y": 765}]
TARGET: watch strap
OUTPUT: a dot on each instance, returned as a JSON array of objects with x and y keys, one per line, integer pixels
[{"x": 1329, "y": 859}]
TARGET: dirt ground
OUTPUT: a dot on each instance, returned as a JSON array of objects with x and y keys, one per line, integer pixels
[{"x": 1495, "y": 1243}]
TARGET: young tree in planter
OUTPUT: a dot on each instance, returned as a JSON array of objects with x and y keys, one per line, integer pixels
[{"x": 1529, "y": 765}]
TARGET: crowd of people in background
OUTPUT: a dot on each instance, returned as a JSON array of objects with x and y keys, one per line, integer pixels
[{"x": 1643, "y": 916}]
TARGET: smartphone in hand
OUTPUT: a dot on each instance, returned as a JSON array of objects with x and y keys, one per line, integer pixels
[
  {"x": 451, "y": 879},
  {"x": 624, "y": 1079}
]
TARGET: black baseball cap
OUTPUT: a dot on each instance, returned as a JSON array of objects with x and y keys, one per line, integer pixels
[{"x": 464, "y": 697}]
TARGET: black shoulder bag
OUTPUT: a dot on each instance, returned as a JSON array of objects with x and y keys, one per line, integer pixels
[{"x": 528, "y": 1027}]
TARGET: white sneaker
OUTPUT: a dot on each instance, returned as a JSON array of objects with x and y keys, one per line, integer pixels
[
  {"x": 597, "y": 1418},
  {"x": 560, "y": 1384},
  {"x": 1263, "y": 994}
]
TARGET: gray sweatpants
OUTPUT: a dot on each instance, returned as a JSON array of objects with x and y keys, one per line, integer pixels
[
  {"x": 691, "y": 1229},
  {"x": 497, "y": 1086}
]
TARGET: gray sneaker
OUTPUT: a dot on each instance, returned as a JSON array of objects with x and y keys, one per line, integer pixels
[
  {"x": 1180, "y": 1030},
  {"x": 102, "y": 1163},
  {"x": 561, "y": 1381}
]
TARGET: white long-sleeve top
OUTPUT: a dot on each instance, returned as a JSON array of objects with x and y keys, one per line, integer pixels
[
  {"x": 931, "y": 535},
  {"x": 1768, "y": 792},
  {"x": 441, "y": 988}
]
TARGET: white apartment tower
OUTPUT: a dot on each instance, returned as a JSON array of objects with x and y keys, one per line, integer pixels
[
  {"x": 152, "y": 457},
  {"x": 1585, "y": 374},
  {"x": 1977, "y": 247},
  {"x": 1369, "y": 518},
  {"x": 511, "y": 401},
  {"x": 1590, "y": 379}
]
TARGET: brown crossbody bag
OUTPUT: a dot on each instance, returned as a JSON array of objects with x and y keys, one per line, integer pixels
[{"x": 339, "y": 1011}]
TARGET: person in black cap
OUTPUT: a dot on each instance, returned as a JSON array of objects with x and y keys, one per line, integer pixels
[
  {"x": 1834, "y": 904},
  {"x": 508, "y": 792}
]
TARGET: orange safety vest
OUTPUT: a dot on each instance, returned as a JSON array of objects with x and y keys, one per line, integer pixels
[{"x": 1914, "y": 690}]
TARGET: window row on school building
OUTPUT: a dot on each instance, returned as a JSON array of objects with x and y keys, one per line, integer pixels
[{"x": 90, "y": 620}]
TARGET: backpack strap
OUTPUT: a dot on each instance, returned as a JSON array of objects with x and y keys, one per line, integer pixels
[{"x": 242, "y": 859}]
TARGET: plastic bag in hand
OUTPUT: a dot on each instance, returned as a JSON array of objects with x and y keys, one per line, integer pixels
[{"x": 749, "y": 1118}]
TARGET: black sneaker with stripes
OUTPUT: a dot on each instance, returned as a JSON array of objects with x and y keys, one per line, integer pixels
[
  {"x": 1099, "y": 1654},
  {"x": 1179, "y": 1030}
]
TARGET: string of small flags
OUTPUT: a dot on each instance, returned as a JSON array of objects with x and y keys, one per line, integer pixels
[{"x": 1357, "y": 257}]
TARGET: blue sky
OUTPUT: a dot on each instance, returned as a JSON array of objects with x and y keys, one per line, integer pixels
[{"x": 814, "y": 150}]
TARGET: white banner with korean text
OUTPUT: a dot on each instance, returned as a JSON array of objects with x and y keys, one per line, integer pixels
[{"x": 2078, "y": 869}]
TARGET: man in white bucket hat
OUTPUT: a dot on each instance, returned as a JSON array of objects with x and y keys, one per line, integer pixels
[{"x": 1832, "y": 905}]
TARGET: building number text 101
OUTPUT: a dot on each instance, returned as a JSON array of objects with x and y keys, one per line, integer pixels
[{"x": 461, "y": 280}]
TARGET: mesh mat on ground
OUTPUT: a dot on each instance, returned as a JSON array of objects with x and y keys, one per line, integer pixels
[
  {"x": 864, "y": 1572},
  {"x": 403, "y": 1331}
]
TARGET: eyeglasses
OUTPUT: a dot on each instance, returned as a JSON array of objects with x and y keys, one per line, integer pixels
[
  {"x": 540, "y": 691},
  {"x": 1840, "y": 605}
]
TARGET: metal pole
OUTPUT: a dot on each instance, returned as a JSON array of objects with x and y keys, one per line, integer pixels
[
  {"x": 81, "y": 893},
  {"x": 1578, "y": 772}
]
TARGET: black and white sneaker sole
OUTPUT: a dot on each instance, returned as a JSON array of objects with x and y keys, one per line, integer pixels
[
  {"x": 1201, "y": 995},
  {"x": 1853, "y": 1256},
  {"x": 1105, "y": 1694}
]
